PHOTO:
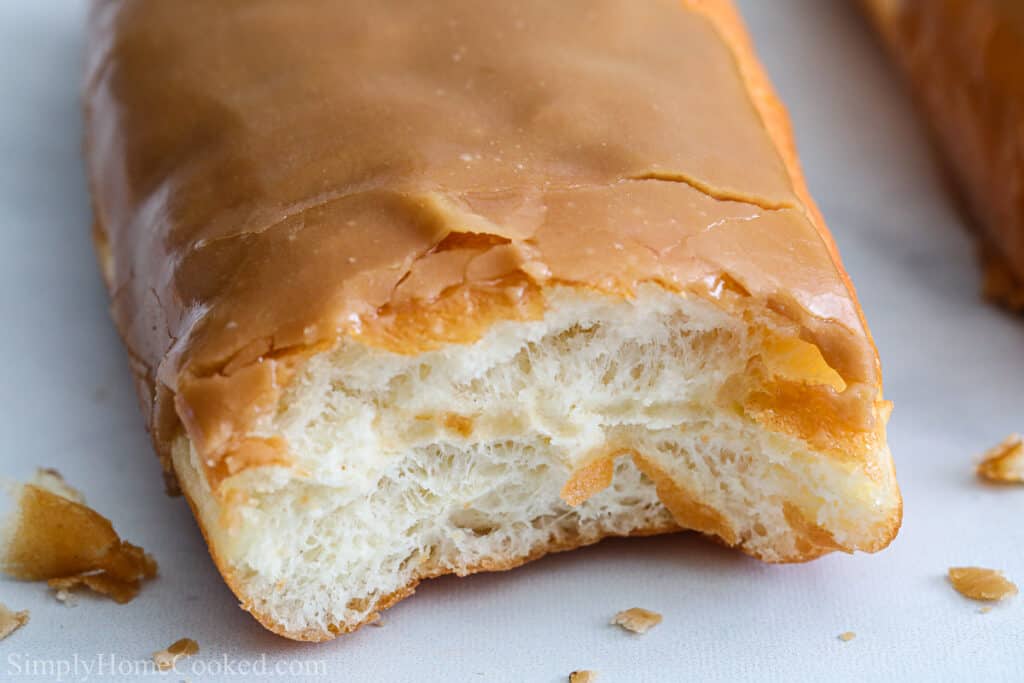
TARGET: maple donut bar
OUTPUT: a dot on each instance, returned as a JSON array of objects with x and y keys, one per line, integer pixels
[
  {"x": 965, "y": 61},
  {"x": 411, "y": 289}
]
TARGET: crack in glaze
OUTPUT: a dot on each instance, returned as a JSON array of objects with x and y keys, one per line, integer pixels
[
  {"x": 300, "y": 208},
  {"x": 711, "y": 191}
]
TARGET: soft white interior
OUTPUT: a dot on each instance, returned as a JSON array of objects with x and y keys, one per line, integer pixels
[{"x": 385, "y": 487}]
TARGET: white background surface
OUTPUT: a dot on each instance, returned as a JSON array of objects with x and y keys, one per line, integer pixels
[{"x": 954, "y": 367}]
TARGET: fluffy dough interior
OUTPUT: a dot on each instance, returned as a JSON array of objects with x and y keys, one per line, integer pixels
[{"x": 467, "y": 459}]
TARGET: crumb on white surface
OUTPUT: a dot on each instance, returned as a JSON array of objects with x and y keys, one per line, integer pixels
[
  {"x": 637, "y": 619},
  {"x": 166, "y": 659},
  {"x": 66, "y": 597},
  {"x": 847, "y": 636},
  {"x": 1004, "y": 463},
  {"x": 583, "y": 676},
  {"x": 978, "y": 583},
  {"x": 11, "y": 621}
]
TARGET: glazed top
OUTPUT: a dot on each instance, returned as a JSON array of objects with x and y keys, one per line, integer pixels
[{"x": 271, "y": 176}]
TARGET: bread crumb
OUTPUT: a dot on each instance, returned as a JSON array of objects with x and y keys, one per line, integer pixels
[
  {"x": 11, "y": 621},
  {"x": 179, "y": 649},
  {"x": 637, "y": 619},
  {"x": 984, "y": 610},
  {"x": 65, "y": 597},
  {"x": 1004, "y": 464},
  {"x": 847, "y": 636},
  {"x": 55, "y": 537},
  {"x": 978, "y": 583},
  {"x": 583, "y": 676},
  {"x": 120, "y": 591}
]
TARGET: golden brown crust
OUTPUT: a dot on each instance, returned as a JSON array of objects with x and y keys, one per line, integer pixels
[
  {"x": 811, "y": 539},
  {"x": 811, "y": 542},
  {"x": 220, "y": 294},
  {"x": 685, "y": 507},
  {"x": 963, "y": 58}
]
